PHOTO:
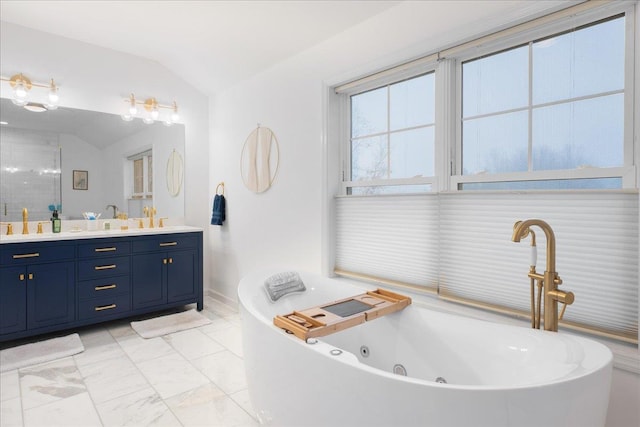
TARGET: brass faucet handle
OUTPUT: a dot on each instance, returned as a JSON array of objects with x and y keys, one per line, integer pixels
[
  {"x": 9, "y": 228},
  {"x": 140, "y": 223},
  {"x": 39, "y": 228},
  {"x": 161, "y": 221}
]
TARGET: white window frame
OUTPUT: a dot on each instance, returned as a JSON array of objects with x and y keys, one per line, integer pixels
[
  {"x": 448, "y": 122},
  {"x": 345, "y": 95},
  {"x": 627, "y": 172}
]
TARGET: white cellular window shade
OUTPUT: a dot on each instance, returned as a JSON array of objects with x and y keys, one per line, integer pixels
[
  {"x": 459, "y": 244},
  {"x": 596, "y": 253},
  {"x": 392, "y": 239}
]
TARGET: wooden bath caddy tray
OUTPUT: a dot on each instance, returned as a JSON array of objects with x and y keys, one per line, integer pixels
[{"x": 342, "y": 314}]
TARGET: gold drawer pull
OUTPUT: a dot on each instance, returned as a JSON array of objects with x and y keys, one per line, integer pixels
[
  {"x": 105, "y": 267},
  {"x": 21, "y": 277},
  {"x": 105, "y": 287},
  {"x": 33, "y": 255},
  {"x": 105, "y": 249},
  {"x": 169, "y": 244},
  {"x": 105, "y": 307}
]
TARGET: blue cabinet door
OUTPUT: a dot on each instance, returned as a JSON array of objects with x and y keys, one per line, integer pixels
[
  {"x": 181, "y": 275},
  {"x": 50, "y": 294},
  {"x": 148, "y": 280},
  {"x": 13, "y": 299}
]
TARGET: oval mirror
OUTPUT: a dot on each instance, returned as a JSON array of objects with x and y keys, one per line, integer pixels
[{"x": 174, "y": 173}]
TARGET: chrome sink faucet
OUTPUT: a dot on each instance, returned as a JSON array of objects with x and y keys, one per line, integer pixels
[{"x": 547, "y": 282}]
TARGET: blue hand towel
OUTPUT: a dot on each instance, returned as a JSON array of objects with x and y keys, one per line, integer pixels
[{"x": 218, "y": 215}]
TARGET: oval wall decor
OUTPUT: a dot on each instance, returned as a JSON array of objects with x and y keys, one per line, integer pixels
[
  {"x": 259, "y": 161},
  {"x": 175, "y": 173}
]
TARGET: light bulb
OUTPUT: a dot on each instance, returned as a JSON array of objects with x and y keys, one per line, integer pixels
[
  {"x": 53, "y": 94},
  {"x": 155, "y": 113},
  {"x": 133, "y": 110},
  {"x": 19, "y": 90},
  {"x": 174, "y": 114}
]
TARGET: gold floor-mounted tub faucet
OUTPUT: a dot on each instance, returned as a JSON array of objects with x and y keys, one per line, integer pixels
[{"x": 547, "y": 282}]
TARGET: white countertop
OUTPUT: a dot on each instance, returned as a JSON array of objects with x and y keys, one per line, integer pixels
[{"x": 48, "y": 236}]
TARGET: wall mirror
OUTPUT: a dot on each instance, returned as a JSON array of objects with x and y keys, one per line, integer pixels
[
  {"x": 259, "y": 160},
  {"x": 39, "y": 153}
]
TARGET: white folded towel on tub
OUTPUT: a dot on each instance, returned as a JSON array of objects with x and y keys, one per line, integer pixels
[{"x": 282, "y": 284}]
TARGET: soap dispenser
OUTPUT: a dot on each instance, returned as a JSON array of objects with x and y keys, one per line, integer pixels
[{"x": 55, "y": 222}]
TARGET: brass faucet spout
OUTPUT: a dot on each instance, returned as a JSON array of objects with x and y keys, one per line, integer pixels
[
  {"x": 25, "y": 221},
  {"x": 521, "y": 230}
]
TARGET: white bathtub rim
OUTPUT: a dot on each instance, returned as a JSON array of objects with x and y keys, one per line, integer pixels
[{"x": 347, "y": 357}]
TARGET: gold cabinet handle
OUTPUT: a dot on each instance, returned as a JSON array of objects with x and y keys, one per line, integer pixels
[
  {"x": 105, "y": 307},
  {"x": 21, "y": 277},
  {"x": 105, "y": 287},
  {"x": 30, "y": 276},
  {"x": 33, "y": 255},
  {"x": 164, "y": 260},
  {"x": 170, "y": 260},
  {"x": 169, "y": 244},
  {"x": 105, "y": 267},
  {"x": 105, "y": 249}
]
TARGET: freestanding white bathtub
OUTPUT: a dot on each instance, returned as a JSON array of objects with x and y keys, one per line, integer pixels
[{"x": 496, "y": 375}]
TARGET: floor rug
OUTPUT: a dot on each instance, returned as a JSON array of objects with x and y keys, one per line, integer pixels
[
  {"x": 164, "y": 325},
  {"x": 40, "y": 352}
]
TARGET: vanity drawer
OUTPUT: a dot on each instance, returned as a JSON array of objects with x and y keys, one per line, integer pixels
[
  {"x": 165, "y": 242},
  {"x": 103, "y": 267},
  {"x": 104, "y": 306},
  {"x": 98, "y": 288},
  {"x": 30, "y": 253},
  {"x": 102, "y": 249}
]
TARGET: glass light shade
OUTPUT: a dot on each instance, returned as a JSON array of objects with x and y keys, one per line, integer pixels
[
  {"x": 133, "y": 110},
  {"x": 53, "y": 95},
  {"x": 154, "y": 114},
  {"x": 20, "y": 91},
  {"x": 51, "y": 107},
  {"x": 127, "y": 117},
  {"x": 175, "y": 116}
]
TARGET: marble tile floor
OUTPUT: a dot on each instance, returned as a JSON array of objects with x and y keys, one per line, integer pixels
[{"x": 190, "y": 378}]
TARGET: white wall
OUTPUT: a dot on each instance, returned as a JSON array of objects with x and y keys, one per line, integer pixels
[{"x": 284, "y": 226}]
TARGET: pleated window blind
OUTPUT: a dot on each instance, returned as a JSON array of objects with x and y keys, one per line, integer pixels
[
  {"x": 389, "y": 239},
  {"x": 460, "y": 245}
]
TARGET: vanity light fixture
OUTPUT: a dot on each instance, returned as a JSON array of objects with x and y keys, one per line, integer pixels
[
  {"x": 152, "y": 111},
  {"x": 21, "y": 86}
]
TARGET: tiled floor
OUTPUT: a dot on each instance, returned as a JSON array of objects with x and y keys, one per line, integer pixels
[{"x": 190, "y": 378}]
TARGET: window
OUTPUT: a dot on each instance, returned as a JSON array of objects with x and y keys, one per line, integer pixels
[
  {"x": 392, "y": 137},
  {"x": 141, "y": 173},
  {"x": 534, "y": 114},
  {"x": 546, "y": 106}
]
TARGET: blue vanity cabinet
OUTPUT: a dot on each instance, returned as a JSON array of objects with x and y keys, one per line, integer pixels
[
  {"x": 37, "y": 286},
  {"x": 48, "y": 286},
  {"x": 104, "y": 267},
  {"x": 166, "y": 270}
]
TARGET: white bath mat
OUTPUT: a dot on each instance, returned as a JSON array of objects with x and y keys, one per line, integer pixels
[
  {"x": 40, "y": 352},
  {"x": 171, "y": 323}
]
